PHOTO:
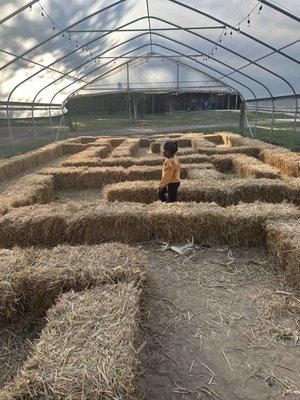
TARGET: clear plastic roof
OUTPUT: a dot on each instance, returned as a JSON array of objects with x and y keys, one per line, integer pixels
[{"x": 52, "y": 49}]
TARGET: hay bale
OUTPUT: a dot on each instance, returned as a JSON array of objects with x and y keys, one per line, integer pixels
[
  {"x": 283, "y": 242},
  {"x": 244, "y": 165},
  {"x": 215, "y": 138},
  {"x": 33, "y": 159},
  {"x": 104, "y": 222},
  {"x": 31, "y": 279},
  {"x": 35, "y": 225},
  {"x": 286, "y": 161},
  {"x": 194, "y": 159},
  {"x": 87, "y": 139},
  {"x": 185, "y": 151},
  {"x": 249, "y": 166},
  {"x": 73, "y": 148},
  {"x": 241, "y": 225},
  {"x": 65, "y": 177},
  {"x": 28, "y": 190},
  {"x": 82, "y": 162},
  {"x": 206, "y": 173},
  {"x": 208, "y": 187},
  {"x": 131, "y": 222},
  {"x": 88, "y": 348},
  {"x": 126, "y": 148},
  {"x": 96, "y": 178}
]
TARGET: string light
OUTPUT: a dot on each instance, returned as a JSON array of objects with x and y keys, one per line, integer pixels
[
  {"x": 236, "y": 27},
  {"x": 55, "y": 27}
]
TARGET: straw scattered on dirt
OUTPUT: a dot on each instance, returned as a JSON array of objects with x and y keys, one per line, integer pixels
[{"x": 219, "y": 324}]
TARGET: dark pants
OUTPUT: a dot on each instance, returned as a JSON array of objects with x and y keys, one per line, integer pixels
[{"x": 168, "y": 194}]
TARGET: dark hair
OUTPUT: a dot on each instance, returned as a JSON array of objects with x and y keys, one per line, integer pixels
[{"x": 171, "y": 146}]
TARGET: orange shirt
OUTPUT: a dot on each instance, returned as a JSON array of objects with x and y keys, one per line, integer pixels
[{"x": 170, "y": 172}]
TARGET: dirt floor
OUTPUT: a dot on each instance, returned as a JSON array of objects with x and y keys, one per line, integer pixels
[
  {"x": 82, "y": 196},
  {"x": 218, "y": 325}
]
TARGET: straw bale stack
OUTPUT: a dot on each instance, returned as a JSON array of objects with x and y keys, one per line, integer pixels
[
  {"x": 91, "y": 157},
  {"x": 250, "y": 166},
  {"x": 287, "y": 161},
  {"x": 185, "y": 151},
  {"x": 215, "y": 138},
  {"x": 24, "y": 162},
  {"x": 283, "y": 241},
  {"x": 244, "y": 165},
  {"x": 209, "y": 188},
  {"x": 31, "y": 279},
  {"x": 126, "y": 148},
  {"x": 28, "y": 190},
  {"x": 87, "y": 350},
  {"x": 108, "y": 222},
  {"x": 240, "y": 225},
  {"x": 206, "y": 173},
  {"x": 73, "y": 148},
  {"x": 131, "y": 161}
]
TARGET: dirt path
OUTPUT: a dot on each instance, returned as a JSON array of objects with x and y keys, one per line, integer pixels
[{"x": 215, "y": 328}]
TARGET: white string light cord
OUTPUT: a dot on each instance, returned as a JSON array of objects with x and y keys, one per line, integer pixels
[
  {"x": 228, "y": 32},
  {"x": 67, "y": 35}
]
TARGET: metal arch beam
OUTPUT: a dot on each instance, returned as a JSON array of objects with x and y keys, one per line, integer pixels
[
  {"x": 62, "y": 31},
  {"x": 70, "y": 53},
  {"x": 165, "y": 21},
  {"x": 211, "y": 68},
  {"x": 281, "y": 10},
  {"x": 220, "y": 62},
  {"x": 124, "y": 65},
  {"x": 17, "y": 11},
  {"x": 149, "y": 23},
  {"x": 233, "y": 28},
  {"x": 167, "y": 38},
  {"x": 175, "y": 52},
  {"x": 233, "y": 52},
  {"x": 38, "y": 64},
  {"x": 87, "y": 62}
]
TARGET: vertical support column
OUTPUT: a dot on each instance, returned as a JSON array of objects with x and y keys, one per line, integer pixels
[
  {"x": 222, "y": 105},
  {"x": 51, "y": 123},
  {"x": 273, "y": 120},
  {"x": 295, "y": 123},
  {"x": 10, "y": 132},
  {"x": 228, "y": 104},
  {"x": 236, "y": 101},
  {"x": 256, "y": 118},
  {"x": 153, "y": 103},
  {"x": 63, "y": 119},
  {"x": 128, "y": 95},
  {"x": 33, "y": 122},
  {"x": 177, "y": 77},
  {"x": 242, "y": 118}
]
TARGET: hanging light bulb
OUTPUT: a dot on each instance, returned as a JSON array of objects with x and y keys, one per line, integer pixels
[
  {"x": 53, "y": 28},
  {"x": 248, "y": 22},
  {"x": 230, "y": 33},
  {"x": 30, "y": 8},
  {"x": 42, "y": 14},
  {"x": 260, "y": 8}
]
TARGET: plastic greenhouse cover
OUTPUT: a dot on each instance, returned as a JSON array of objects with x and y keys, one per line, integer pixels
[{"x": 53, "y": 49}]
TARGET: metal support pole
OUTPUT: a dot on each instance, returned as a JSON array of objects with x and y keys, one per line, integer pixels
[
  {"x": 242, "y": 118},
  {"x": 256, "y": 118},
  {"x": 51, "y": 123},
  {"x": 128, "y": 94},
  {"x": 153, "y": 104},
  {"x": 63, "y": 119},
  {"x": 273, "y": 120},
  {"x": 293, "y": 134},
  {"x": 236, "y": 101},
  {"x": 177, "y": 78},
  {"x": 33, "y": 122},
  {"x": 228, "y": 101},
  {"x": 10, "y": 132}
]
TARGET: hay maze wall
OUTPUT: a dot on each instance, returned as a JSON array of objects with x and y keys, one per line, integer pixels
[{"x": 234, "y": 191}]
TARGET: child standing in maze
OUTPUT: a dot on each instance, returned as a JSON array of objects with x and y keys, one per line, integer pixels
[{"x": 170, "y": 181}]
